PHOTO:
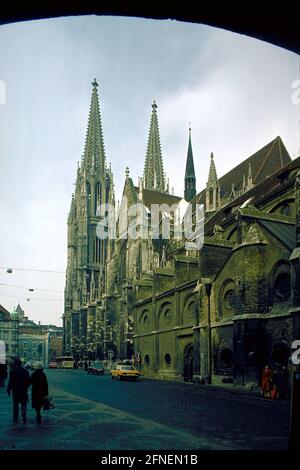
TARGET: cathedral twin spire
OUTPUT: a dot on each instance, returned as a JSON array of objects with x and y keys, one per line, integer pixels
[
  {"x": 94, "y": 152},
  {"x": 154, "y": 177}
]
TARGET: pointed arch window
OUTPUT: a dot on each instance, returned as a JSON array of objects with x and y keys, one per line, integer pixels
[
  {"x": 97, "y": 198},
  {"x": 97, "y": 250},
  {"x": 88, "y": 197},
  {"x": 211, "y": 197}
]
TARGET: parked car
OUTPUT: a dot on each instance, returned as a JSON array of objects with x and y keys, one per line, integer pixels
[
  {"x": 124, "y": 371},
  {"x": 96, "y": 368},
  {"x": 53, "y": 365}
]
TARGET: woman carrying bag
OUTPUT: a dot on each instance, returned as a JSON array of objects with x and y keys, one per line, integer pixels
[{"x": 39, "y": 383}]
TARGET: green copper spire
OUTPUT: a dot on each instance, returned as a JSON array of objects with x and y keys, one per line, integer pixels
[
  {"x": 94, "y": 153},
  {"x": 190, "y": 178},
  {"x": 153, "y": 172}
]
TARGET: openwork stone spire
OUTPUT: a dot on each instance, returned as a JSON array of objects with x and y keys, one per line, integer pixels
[
  {"x": 94, "y": 152},
  {"x": 212, "y": 188},
  {"x": 153, "y": 172},
  {"x": 212, "y": 175}
]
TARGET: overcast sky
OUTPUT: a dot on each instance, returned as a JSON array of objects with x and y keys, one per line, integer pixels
[{"x": 236, "y": 91}]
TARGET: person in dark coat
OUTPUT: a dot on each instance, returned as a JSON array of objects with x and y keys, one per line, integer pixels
[
  {"x": 281, "y": 381},
  {"x": 3, "y": 374},
  {"x": 18, "y": 385},
  {"x": 39, "y": 391}
]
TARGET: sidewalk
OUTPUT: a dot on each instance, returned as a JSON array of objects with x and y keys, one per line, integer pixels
[{"x": 224, "y": 388}]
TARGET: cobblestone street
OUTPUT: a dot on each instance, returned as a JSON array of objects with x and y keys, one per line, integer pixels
[{"x": 96, "y": 413}]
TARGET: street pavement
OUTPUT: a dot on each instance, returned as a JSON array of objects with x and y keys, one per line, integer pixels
[{"x": 97, "y": 413}]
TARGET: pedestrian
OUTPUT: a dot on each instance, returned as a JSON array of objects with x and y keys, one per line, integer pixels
[
  {"x": 3, "y": 374},
  {"x": 18, "y": 385},
  {"x": 39, "y": 391},
  {"x": 282, "y": 383},
  {"x": 266, "y": 381},
  {"x": 274, "y": 393},
  {"x": 190, "y": 368}
]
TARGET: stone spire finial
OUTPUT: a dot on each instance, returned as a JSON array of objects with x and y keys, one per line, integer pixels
[{"x": 212, "y": 188}]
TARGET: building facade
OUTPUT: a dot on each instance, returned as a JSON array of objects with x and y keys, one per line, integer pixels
[
  {"x": 220, "y": 313},
  {"x": 55, "y": 343},
  {"x": 34, "y": 348},
  {"x": 8, "y": 333},
  {"x": 85, "y": 294},
  {"x": 226, "y": 312}
]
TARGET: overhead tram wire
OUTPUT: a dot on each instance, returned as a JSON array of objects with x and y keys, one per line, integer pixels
[
  {"x": 26, "y": 298},
  {"x": 30, "y": 288},
  {"x": 32, "y": 270}
]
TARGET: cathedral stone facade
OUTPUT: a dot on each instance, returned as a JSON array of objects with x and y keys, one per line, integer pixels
[
  {"x": 215, "y": 314},
  {"x": 87, "y": 254}
]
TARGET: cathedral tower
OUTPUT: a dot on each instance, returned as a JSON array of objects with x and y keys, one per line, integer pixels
[{"x": 87, "y": 254}]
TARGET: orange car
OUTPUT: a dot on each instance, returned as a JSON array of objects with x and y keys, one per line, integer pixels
[{"x": 123, "y": 371}]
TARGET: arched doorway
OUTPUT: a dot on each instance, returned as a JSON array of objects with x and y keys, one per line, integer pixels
[
  {"x": 280, "y": 353},
  {"x": 188, "y": 363}
]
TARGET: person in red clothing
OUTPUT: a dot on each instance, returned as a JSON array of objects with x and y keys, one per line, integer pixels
[{"x": 266, "y": 380}]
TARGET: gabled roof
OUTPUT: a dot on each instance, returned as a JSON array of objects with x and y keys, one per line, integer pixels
[
  {"x": 286, "y": 233},
  {"x": 263, "y": 163},
  {"x": 156, "y": 197},
  {"x": 130, "y": 191},
  {"x": 257, "y": 194},
  {"x": 4, "y": 312}
]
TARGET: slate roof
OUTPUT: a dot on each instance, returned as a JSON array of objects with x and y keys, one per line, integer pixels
[
  {"x": 5, "y": 312},
  {"x": 286, "y": 233},
  {"x": 156, "y": 197},
  {"x": 264, "y": 163},
  {"x": 258, "y": 194}
]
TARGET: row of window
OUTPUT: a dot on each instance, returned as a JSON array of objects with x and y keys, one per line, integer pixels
[
  {"x": 11, "y": 348},
  {"x": 8, "y": 335},
  {"x": 167, "y": 359},
  {"x": 34, "y": 355},
  {"x": 166, "y": 316},
  {"x": 34, "y": 345},
  {"x": 280, "y": 292}
]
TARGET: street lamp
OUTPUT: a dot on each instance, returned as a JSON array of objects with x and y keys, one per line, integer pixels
[{"x": 208, "y": 293}]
